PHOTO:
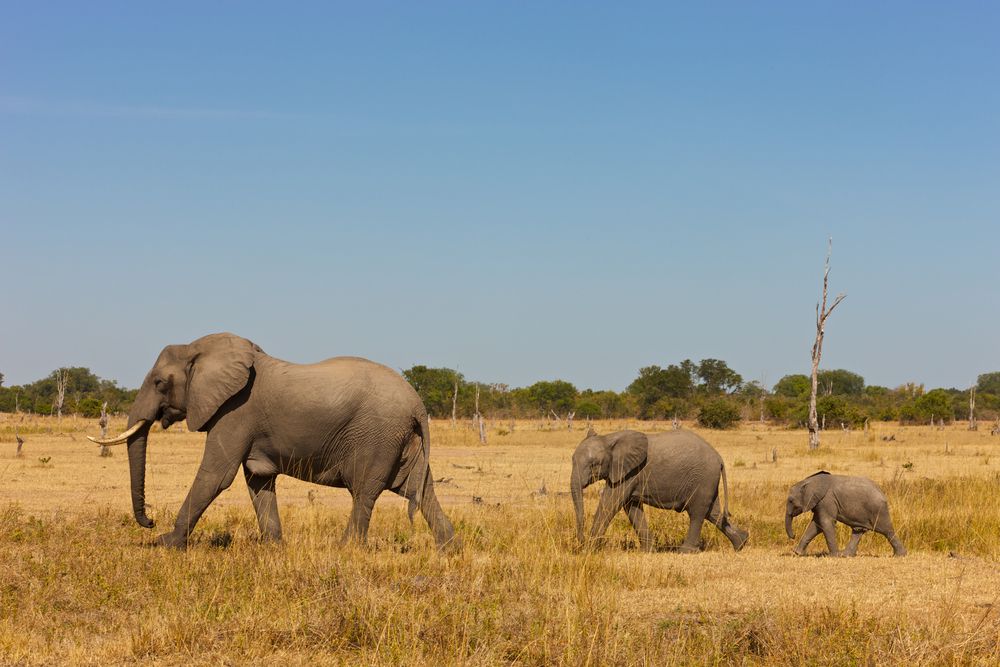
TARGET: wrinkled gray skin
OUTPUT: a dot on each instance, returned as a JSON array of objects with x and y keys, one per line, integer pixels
[
  {"x": 854, "y": 501},
  {"x": 676, "y": 470},
  {"x": 344, "y": 422}
]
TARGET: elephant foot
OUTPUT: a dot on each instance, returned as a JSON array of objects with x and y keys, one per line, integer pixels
[
  {"x": 899, "y": 554},
  {"x": 171, "y": 540},
  {"x": 799, "y": 552},
  {"x": 837, "y": 554},
  {"x": 688, "y": 549},
  {"x": 742, "y": 537}
]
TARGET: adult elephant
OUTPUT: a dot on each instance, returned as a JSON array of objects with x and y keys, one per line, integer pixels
[
  {"x": 344, "y": 422},
  {"x": 676, "y": 470}
]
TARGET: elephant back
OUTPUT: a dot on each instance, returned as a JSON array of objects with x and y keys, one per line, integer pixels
[
  {"x": 684, "y": 446},
  {"x": 680, "y": 465}
]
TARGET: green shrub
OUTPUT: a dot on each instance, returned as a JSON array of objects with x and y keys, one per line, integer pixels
[
  {"x": 588, "y": 410},
  {"x": 719, "y": 413},
  {"x": 837, "y": 410},
  {"x": 89, "y": 407}
]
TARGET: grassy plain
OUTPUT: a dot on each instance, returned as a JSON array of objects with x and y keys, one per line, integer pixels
[{"x": 79, "y": 585}]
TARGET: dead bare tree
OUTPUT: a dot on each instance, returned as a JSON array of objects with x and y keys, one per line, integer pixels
[
  {"x": 61, "y": 376},
  {"x": 454, "y": 403},
  {"x": 569, "y": 420},
  {"x": 20, "y": 443},
  {"x": 822, "y": 312},
  {"x": 763, "y": 395},
  {"x": 477, "y": 420},
  {"x": 973, "y": 426},
  {"x": 103, "y": 423}
]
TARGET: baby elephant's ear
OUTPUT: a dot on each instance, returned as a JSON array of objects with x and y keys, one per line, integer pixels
[
  {"x": 628, "y": 454},
  {"x": 814, "y": 489}
]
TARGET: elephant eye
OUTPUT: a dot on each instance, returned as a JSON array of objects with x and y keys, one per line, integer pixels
[{"x": 160, "y": 383}]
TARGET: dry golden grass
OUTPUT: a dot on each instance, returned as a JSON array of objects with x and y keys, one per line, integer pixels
[{"x": 79, "y": 585}]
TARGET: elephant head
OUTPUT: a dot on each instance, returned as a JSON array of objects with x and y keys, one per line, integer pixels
[
  {"x": 804, "y": 496},
  {"x": 187, "y": 382},
  {"x": 611, "y": 457}
]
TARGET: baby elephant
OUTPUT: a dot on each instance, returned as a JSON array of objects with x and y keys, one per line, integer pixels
[
  {"x": 854, "y": 501},
  {"x": 676, "y": 470}
]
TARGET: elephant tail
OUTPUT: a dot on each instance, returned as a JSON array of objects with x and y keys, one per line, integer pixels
[
  {"x": 423, "y": 425},
  {"x": 725, "y": 493}
]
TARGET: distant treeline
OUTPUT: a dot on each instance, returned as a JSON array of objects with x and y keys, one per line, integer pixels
[
  {"x": 708, "y": 391},
  {"x": 84, "y": 394}
]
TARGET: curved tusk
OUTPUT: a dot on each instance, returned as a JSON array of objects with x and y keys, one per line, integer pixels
[{"x": 121, "y": 438}]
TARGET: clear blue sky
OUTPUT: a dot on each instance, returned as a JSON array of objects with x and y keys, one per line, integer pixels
[{"x": 522, "y": 191}]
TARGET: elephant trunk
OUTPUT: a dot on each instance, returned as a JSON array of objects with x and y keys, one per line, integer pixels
[
  {"x": 145, "y": 410},
  {"x": 137, "y": 473},
  {"x": 576, "y": 487},
  {"x": 788, "y": 524}
]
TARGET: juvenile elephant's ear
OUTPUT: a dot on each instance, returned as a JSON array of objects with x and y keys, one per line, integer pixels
[
  {"x": 220, "y": 367},
  {"x": 628, "y": 453},
  {"x": 814, "y": 488}
]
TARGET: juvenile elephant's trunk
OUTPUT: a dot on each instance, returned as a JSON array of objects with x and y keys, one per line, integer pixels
[
  {"x": 137, "y": 473},
  {"x": 576, "y": 490},
  {"x": 788, "y": 524}
]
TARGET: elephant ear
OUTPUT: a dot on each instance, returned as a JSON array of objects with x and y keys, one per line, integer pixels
[
  {"x": 220, "y": 368},
  {"x": 814, "y": 488},
  {"x": 628, "y": 453}
]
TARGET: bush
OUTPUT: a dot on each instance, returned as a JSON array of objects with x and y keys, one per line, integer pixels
[
  {"x": 935, "y": 403},
  {"x": 588, "y": 410},
  {"x": 779, "y": 408},
  {"x": 720, "y": 413},
  {"x": 89, "y": 407},
  {"x": 837, "y": 411}
]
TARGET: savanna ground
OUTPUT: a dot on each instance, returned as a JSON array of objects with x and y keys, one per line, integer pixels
[{"x": 79, "y": 585}]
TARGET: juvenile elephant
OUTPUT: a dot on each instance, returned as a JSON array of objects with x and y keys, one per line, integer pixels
[
  {"x": 854, "y": 501},
  {"x": 675, "y": 470},
  {"x": 344, "y": 422}
]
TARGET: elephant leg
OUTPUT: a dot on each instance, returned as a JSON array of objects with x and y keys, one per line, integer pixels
[
  {"x": 829, "y": 527},
  {"x": 898, "y": 550},
  {"x": 430, "y": 508},
  {"x": 612, "y": 500},
  {"x": 852, "y": 545},
  {"x": 812, "y": 530},
  {"x": 692, "y": 541},
  {"x": 736, "y": 536},
  {"x": 361, "y": 514},
  {"x": 265, "y": 504},
  {"x": 884, "y": 527},
  {"x": 637, "y": 517},
  {"x": 217, "y": 471}
]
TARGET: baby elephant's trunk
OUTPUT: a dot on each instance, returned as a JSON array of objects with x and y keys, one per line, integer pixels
[
  {"x": 576, "y": 491},
  {"x": 788, "y": 524}
]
